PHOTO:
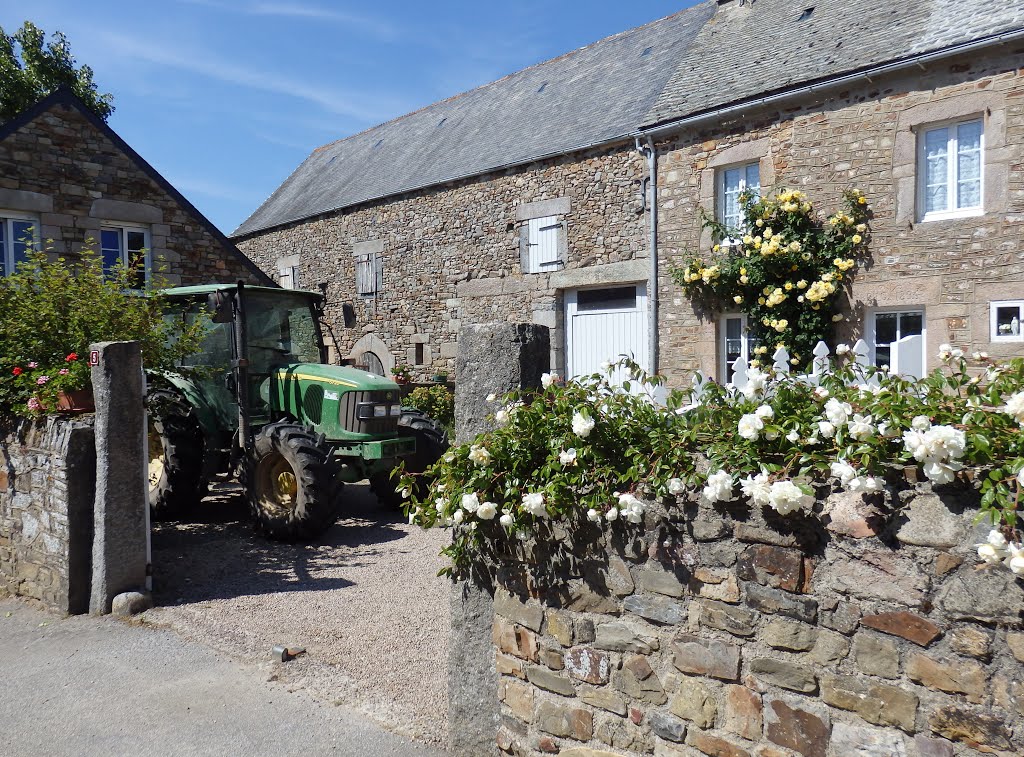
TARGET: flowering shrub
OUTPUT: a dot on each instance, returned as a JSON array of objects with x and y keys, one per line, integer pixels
[
  {"x": 52, "y": 310},
  {"x": 785, "y": 269},
  {"x": 436, "y": 402},
  {"x": 587, "y": 454}
]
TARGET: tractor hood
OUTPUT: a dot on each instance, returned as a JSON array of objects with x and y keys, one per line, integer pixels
[{"x": 343, "y": 377}]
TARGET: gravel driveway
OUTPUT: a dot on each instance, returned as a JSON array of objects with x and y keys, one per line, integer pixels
[{"x": 365, "y": 602}]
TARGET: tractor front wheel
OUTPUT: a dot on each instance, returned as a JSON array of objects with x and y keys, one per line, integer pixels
[{"x": 292, "y": 483}]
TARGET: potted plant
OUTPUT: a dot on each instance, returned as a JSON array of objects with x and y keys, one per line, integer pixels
[
  {"x": 401, "y": 373},
  {"x": 439, "y": 378}
]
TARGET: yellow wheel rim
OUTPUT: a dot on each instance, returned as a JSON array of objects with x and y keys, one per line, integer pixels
[{"x": 278, "y": 486}]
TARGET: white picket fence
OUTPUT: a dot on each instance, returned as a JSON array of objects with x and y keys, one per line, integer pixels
[{"x": 820, "y": 365}]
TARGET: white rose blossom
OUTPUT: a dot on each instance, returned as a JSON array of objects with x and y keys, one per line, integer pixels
[
  {"x": 793, "y": 436},
  {"x": 842, "y": 349},
  {"x": 606, "y": 366},
  {"x": 487, "y": 510},
  {"x": 547, "y": 379},
  {"x": 479, "y": 455},
  {"x": 865, "y": 484},
  {"x": 1015, "y": 406},
  {"x": 786, "y": 497},
  {"x": 630, "y": 508},
  {"x": 921, "y": 423},
  {"x": 470, "y": 502},
  {"x": 719, "y": 487},
  {"x": 860, "y": 427},
  {"x": 765, "y": 412},
  {"x": 750, "y": 426},
  {"x": 1015, "y": 559},
  {"x": 676, "y": 486},
  {"x": 995, "y": 549},
  {"x": 593, "y": 516},
  {"x": 567, "y": 457},
  {"x": 534, "y": 504},
  {"x": 491, "y": 397},
  {"x": 582, "y": 425},
  {"x": 501, "y": 417},
  {"x": 826, "y": 429},
  {"x": 757, "y": 382},
  {"x": 458, "y": 517},
  {"x": 611, "y": 515},
  {"x": 844, "y": 472},
  {"x": 506, "y": 520},
  {"x": 838, "y": 413},
  {"x": 757, "y": 488},
  {"x": 821, "y": 392}
]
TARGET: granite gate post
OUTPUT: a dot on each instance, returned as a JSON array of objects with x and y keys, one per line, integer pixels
[
  {"x": 492, "y": 358},
  {"x": 120, "y": 540}
]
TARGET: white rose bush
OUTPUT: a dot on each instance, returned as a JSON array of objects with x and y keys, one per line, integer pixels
[{"x": 575, "y": 459}]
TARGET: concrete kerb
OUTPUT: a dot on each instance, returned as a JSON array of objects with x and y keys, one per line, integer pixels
[{"x": 492, "y": 359}]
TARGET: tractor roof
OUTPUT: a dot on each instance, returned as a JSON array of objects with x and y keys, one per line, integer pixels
[{"x": 205, "y": 289}]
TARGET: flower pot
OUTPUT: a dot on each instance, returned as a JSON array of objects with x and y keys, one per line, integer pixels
[
  {"x": 440, "y": 378},
  {"x": 76, "y": 401}
]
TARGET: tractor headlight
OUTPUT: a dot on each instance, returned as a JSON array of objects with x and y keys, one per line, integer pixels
[{"x": 369, "y": 410}]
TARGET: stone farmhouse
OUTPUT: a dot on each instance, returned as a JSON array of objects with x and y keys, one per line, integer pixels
[
  {"x": 563, "y": 194},
  {"x": 68, "y": 182}
]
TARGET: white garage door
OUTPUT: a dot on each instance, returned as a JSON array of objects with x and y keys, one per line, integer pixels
[{"x": 602, "y": 324}]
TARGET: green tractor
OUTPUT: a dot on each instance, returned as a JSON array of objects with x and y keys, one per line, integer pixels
[{"x": 260, "y": 403}]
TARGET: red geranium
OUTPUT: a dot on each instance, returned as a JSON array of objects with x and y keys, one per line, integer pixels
[
  {"x": 16, "y": 371},
  {"x": 71, "y": 358}
]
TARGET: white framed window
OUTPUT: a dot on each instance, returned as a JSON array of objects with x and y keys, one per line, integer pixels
[
  {"x": 542, "y": 244},
  {"x": 127, "y": 246},
  {"x": 19, "y": 234},
  {"x": 949, "y": 169},
  {"x": 731, "y": 182},
  {"x": 734, "y": 341},
  {"x": 1005, "y": 320},
  {"x": 896, "y": 337}
]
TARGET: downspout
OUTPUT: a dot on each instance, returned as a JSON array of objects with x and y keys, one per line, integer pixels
[{"x": 650, "y": 196}]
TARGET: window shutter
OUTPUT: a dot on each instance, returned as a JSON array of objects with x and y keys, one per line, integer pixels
[
  {"x": 365, "y": 277},
  {"x": 543, "y": 235}
]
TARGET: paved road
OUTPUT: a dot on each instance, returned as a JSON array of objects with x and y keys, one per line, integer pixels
[{"x": 100, "y": 687}]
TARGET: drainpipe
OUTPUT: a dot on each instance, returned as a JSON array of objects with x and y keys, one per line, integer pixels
[{"x": 650, "y": 197}]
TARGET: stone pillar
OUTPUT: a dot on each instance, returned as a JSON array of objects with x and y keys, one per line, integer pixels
[
  {"x": 120, "y": 539},
  {"x": 492, "y": 358}
]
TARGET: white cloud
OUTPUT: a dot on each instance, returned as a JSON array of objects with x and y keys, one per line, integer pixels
[
  {"x": 368, "y": 108},
  {"x": 377, "y": 27}
]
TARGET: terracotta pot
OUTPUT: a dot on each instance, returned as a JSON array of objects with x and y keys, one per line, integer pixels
[{"x": 76, "y": 401}]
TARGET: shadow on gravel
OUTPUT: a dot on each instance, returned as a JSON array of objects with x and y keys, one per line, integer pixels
[{"x": 218, "y": 554}]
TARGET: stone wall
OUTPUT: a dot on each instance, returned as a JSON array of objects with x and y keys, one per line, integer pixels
[
  {"x": 864, "y": 137},
  {"x": 70, "y": 175},
  {"x": 731, "y": 632},
  {"x": 47, "y": 487},
  {"x": 451, "y": 255}
]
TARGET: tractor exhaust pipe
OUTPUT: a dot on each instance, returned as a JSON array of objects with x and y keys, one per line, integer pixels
[{"x": 241, "y": 366}]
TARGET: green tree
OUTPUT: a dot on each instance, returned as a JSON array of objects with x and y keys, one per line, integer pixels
[{"x": 31, "y": 68}]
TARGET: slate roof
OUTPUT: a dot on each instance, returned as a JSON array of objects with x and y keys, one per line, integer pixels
[
  {"x": 590, "y": 96},
  {"x": 764, "y": 46},
  {"x": 699, "y": 59}
]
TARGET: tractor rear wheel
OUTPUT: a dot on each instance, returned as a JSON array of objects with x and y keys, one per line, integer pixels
[
  {"x": 292, "y": 483},
  {"x": 175, "y": 456},
  {"x": 431, "y": 443}
]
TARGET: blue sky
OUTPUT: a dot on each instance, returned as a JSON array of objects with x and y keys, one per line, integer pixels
[{"x": 226, "y": 97}]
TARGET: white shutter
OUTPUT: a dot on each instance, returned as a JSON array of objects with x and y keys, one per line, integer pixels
[{"x": 543, "y": 243}]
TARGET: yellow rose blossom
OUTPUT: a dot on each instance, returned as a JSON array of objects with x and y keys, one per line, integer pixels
[
  {"x": 789, "y": 286},
  {"x": 760, "y": 350},
  {"x": 759, "y": 223},
  {"x": 743, "y": 271},
  {"x": 744, "y": 279},
  {"x": 716, "y": 248},
  {"x": 862, "y": 227},
  {"x": 802, "y": 284},
  {"x": 827, "y": 277},
  {"x": 862, "y": 201},
  {"x": 738, "y": 299},
  {"x": 781, "y": 325},
  {"x": 760, "y": 300},
  {"x": 857, "y": 238}
]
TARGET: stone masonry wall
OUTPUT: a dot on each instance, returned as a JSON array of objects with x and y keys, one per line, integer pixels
[
  {"x": 47, "y": 487},
  {"x": 451, "y": 255},
  {"x": 731, "y": 632},
  {"x": 865, "y": 137},
  {"x": 68, "y": 165}
]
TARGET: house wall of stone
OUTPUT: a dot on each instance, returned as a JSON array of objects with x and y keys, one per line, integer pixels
[
  {"x": 863, "y": 137},
  {"x": 732, "y": 632},
  {"x": 451, "y": 255},
  {"x": 47, "y": 488},
  {"x": 68, "y": 174}
]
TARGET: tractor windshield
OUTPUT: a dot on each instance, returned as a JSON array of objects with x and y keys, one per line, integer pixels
[{"x": 282, "y": 329}]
